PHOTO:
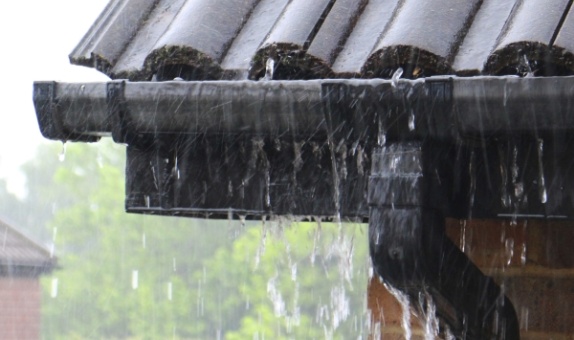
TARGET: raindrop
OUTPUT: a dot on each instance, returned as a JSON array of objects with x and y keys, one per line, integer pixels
[
  {"x": 175, "y": 170},
  {"x": 135, "y": 279},
  {"x": 229, "y": 189},
  {"x": 396, "y": 76},
  {"x": 100, "y": 159},
  {"x": 360, "y": 160},
  {"x": 54, "y": 289},
  {"x": 294, "y": 272},
  {"x": 504, "y": 196},
  {"x": 463, "y": 235},
  {"x": 316, "y": 240},
  {"x": 275, "y": 296},
  {"x": 169, "y": 291},
  {"x": 509, "y": 250},
  {"x": 524, "y": 311},
  {"x": 523, "y": 254},
  {"x": 174, "y": 265},
  {"x": 147, "y": 201},
  {"x": 143, "y": 240},
  {"x": 155, "y": 181},
  {"x": 178, "y": 79},
  {"x": 261, "y": 249},
  {"x": 62, "y": 155},
  {"x": 381, "y": 136},
  {"x": 269, "y": 68},
  {"x": 411, "y": 121},
  {"x": 541, "y": 180},
  {"x": 267, "y": 188}
]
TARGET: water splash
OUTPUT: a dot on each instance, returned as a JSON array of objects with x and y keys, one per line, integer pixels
[
  {"x": 396, "y": 76},
  {"x": 340, "y": 306},
  {"x": 431, "y": 322},
  {"x": 406, "y": 310}
]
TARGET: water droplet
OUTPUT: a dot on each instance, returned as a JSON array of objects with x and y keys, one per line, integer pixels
[
  {"x": 169, "y": 291},
  {"x": 62, "y": 155},
  {"x": 381, "y": 136},
  {"x": 541, "y": 180},
  {"x": 463, "y": 235},
  {"x": 54, "y": 288},
  {"x": 175, "y": 170},
  {"x": 143, "y": 240},
  {"x": 509, "y": 250},
  {"x": 267, "y": 188},
  {"x": 411, "y": 121},
  {"x": 147, "y": 201},
  {"x": 100, "y": 159},
  {"x": 174, "y": 265},
  {"x": 135, "y": 279},
  {"x": 523, "y": 254}
]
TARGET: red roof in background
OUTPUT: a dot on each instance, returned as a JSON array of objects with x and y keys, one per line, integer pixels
[
  {"x": 232, "y": 39},
  {"x": 20, "y": 252}
]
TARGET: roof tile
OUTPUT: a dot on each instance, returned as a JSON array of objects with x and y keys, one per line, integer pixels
[{"x": 220, "y": 39}]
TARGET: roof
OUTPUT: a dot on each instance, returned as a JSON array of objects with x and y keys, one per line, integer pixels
[
  {"x": 234, "y": 39},
  {"x": 20, "y": 254}
]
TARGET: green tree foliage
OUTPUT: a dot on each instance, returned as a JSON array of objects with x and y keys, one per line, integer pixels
[{"x": 125, "y": 276}]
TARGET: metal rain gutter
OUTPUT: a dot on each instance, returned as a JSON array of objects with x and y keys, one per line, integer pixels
[{"x": 468, "y": 106}]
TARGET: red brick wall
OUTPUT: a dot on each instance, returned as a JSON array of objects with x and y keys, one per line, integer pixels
[{"x": 20, "y": 300}]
